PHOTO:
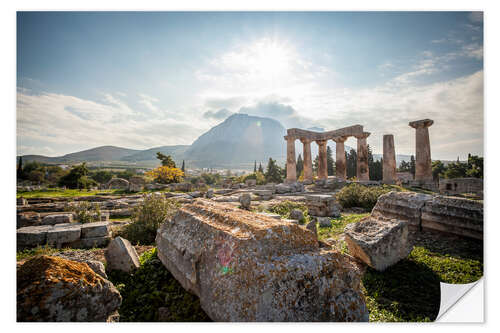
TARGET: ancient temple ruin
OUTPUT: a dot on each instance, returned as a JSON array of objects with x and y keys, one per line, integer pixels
[{"x": 321, "y": 139}]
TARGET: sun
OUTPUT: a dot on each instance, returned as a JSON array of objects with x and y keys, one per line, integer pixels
[{"x": 269, "y": 58}]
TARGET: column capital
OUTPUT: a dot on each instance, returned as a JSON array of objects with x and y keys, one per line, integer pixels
[
  {"x": 321, "y": 142},
  {"x": 421, "y": 123},
  {"x": 305, "y": 140},
  {"x": 290, "y": 138},
  {"x": 364, "y": 135},
  {"x": 340, "y": 139}
]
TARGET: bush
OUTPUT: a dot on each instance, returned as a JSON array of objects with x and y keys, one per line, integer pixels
[
  {"x": 285, "y": 207},
  {"x": 356, "y": 195},
  {"x": 85, "y": 211},
  {"x": 147, "y": 217},
  {"x": 166, "y": 175},
  {"x": 258, "y": 176},
  {"x": 150, "y": 287}
]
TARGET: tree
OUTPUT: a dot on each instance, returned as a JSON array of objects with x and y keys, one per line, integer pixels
[
  {"x": 316, "y": 164},
  {"x": 438, "y": 170},
  {"x": 375, "y": 167},
  {"x": 412, "y": 165},
  {"x": 77, "y": 178},
  {"x": 20, "y": 168},
  {"x": 261, "y": 169},
  {"x": 166, "y": 160},
  {"x": 475, "y": 166},
  {"x": 183, "y": 167},
  {"x": 404, "y": 167},
  {"x": 456, "y": 170},
  {"x": 273, "y": 172},
  {"x": 166, "y": 175},
  {"x": 351, "y": 163},
  {"x": 102, "y": 176},
  {"x": 330, "y": 164},
  {"x": 255, "y": 166},
  {"x": 300, "y": 165}
]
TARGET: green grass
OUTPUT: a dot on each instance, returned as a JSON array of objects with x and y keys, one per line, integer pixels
[
  {"x": 338, "y": 225},
  {"x": 150, "y": 287},
  {"x": 410, "y": 289},
  {"x": 44, "y": 250},
  {"x": 64, "y": 193}
]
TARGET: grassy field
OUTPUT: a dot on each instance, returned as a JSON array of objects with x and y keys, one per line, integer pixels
[
  {"x": 65, "y": 193},
  {"x": 76, "y": 193},
  {"x": 410, "y": 290}
]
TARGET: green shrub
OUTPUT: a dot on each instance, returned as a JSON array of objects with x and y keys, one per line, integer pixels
[
  {"x": 85, "y": 211},
  {"x": 285, "y": 207},
  {"x": 150, "y": 287},
  {"x": 147, "y": 217},
  {"x": 356, "y": 195}
]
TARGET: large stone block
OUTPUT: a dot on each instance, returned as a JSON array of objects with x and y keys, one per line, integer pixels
[
  {"x": 57, "y": 219},
  {"x": 322, "y": 205},
  {"x": 379, "y": 244},
  {"x": 95, "y": 229},
  {"x": 248, "y": 267},
  {"x": 53, "y": 289},
  {"x": 118, "y": 184},
  {"x": 61, "y": 235},
  {"x": 452, "y": 215},
  {"x": 32, "y": 236},
  {"x": 121, "y": 255},
  {"x": 28, "y": 219},
  {"x": 405, "y": 206}
]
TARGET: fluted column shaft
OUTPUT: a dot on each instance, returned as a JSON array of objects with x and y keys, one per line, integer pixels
[
  {"x": 423, "y": 162},
  {"x": 308, "y": 174},
  {"x": 291, "y": 169},
  {"x": 362, "y": 172},
  {"x": 389, "y": 160},
  {"x": 322, "y": 170},
  {"x": 340, "y": 162}
]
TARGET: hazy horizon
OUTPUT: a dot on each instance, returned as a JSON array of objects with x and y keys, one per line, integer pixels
[{"x": 140, "y": 80}]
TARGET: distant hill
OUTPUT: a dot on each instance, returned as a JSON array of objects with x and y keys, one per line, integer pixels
[
  {"x": 103, "y": 153},
  {"x": 177, "y": 153},
  {"x": 239, "y": 141}
]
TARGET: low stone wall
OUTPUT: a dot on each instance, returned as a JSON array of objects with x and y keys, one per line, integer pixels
[
  {"x": 75, "y": 235},
  {"x": 452, "y": 215},
  {"x": 250, "y": 267}
]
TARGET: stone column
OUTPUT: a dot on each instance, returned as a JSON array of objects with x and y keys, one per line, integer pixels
[
  {"x": 389, "y": 158},
  {"x": 423, "y": 164},
  {"x": 340, "y": 163},
  {"x": 291, "y": 169},
  {"x": 362, "y": 172},
  {"x": 308, "y": 172},
  {"x": 322, "y": 170}
]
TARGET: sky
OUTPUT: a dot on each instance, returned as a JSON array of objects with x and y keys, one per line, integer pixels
[{"x": 146, "y": 79}]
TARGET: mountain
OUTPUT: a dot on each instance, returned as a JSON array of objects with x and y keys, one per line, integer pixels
[
  {"x": 239, "y": 141},
  {"x": 103, "y": 153},
  {"x": 177, "y": 153}
]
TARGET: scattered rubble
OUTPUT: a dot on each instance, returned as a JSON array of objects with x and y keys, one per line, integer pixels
[{"x": 121, "y": 255}]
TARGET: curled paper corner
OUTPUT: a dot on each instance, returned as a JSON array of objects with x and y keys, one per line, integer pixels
[{"x": 462, "y": 302}]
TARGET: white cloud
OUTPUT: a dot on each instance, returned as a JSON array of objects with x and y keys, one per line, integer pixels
[{"x": 69, "y": 123}]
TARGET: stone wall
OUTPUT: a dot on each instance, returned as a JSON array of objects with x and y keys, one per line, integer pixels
[
  {"x": 452, "y": 215},
  {"x": 461, "y": 185}
]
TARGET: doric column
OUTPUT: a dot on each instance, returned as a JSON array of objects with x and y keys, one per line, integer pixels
[
  {"x": 362, "y": 172},
  {"x": 389, "y": 159},
  {"x": 322, "y": 170},
  {"x": 423, "y": 164},
  {"x": 308, "y": 173},
  {"x": 340, "y": 164},
  {"x": 291, "y": 171}
]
